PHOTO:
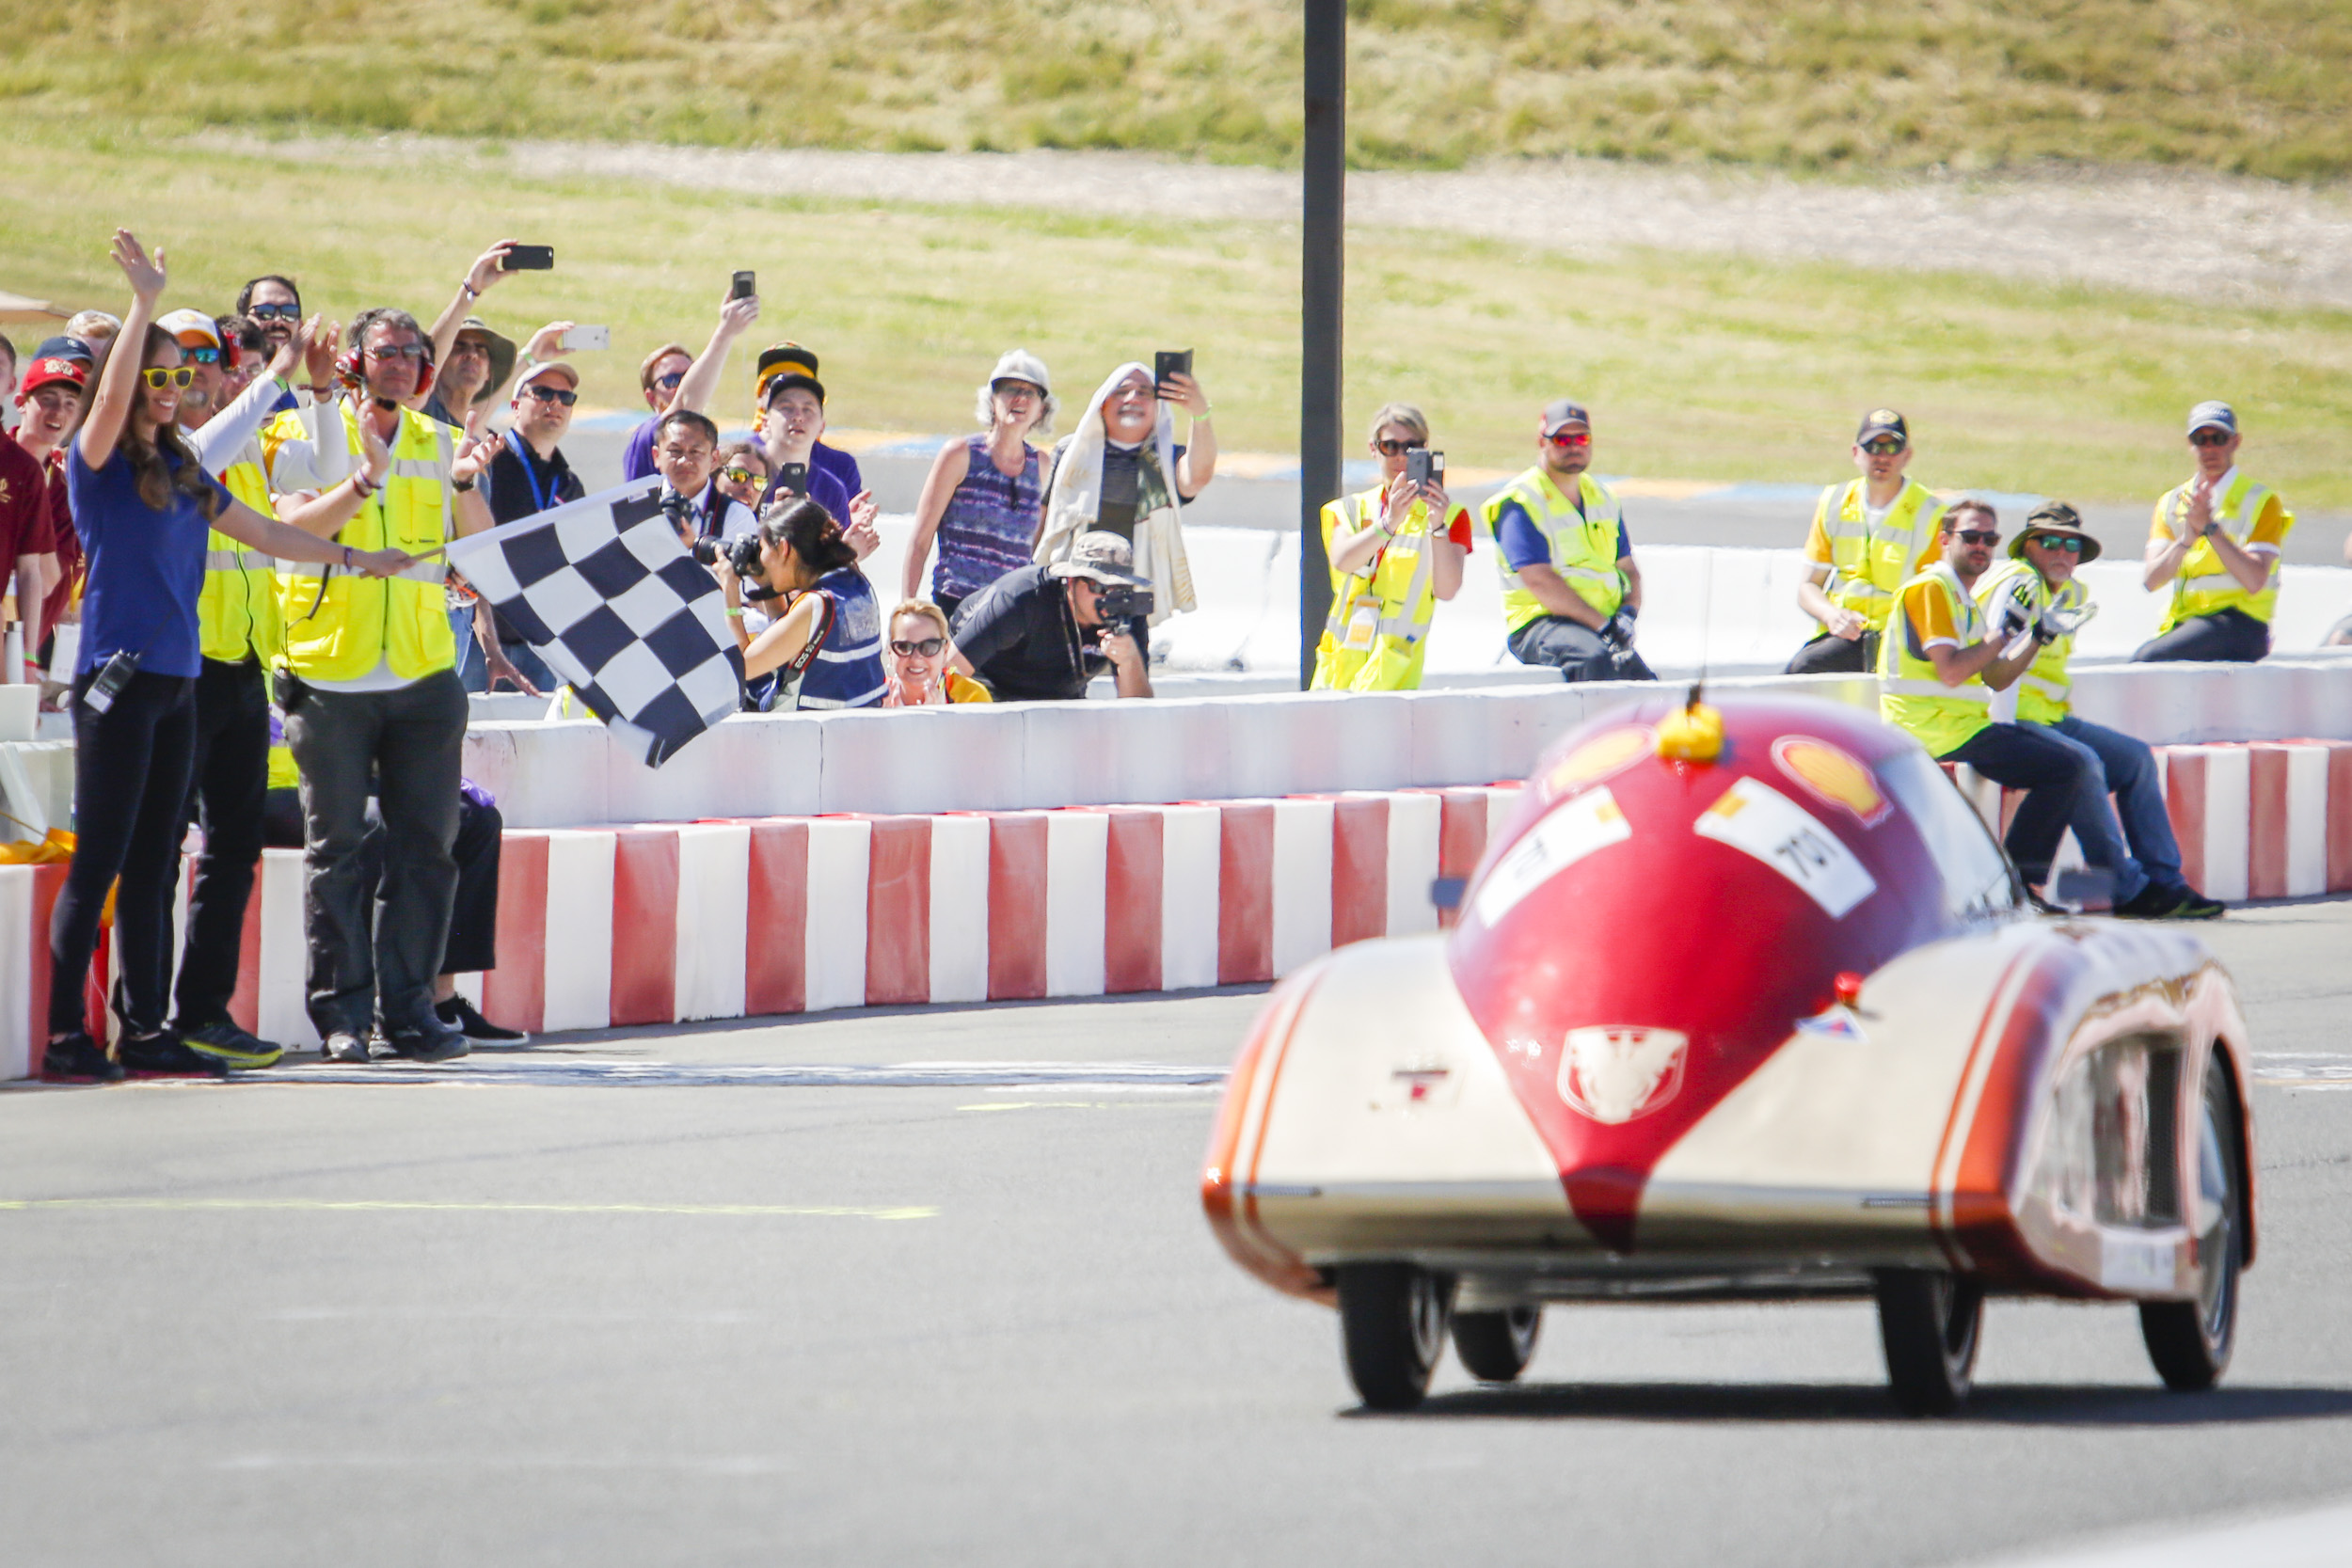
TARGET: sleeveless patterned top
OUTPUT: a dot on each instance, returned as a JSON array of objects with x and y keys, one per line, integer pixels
[{"x": 990, "y": 521}]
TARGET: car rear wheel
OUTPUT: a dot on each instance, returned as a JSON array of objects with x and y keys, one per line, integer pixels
[
  {"x": 1392, "y": 1320},
  {"x": 1928, "y": 1324},
  {"x": 1497, "y": 1346},
  {"x": 2191, "y": 1340}
]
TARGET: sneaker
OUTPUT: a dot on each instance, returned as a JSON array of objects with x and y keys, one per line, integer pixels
[
  {"x": 2149, "y": 903},
  {"x": 164, "y": 1054},
  {"x": 77, "y": 1058},
  {"x": 428, "y": 1039},
  {"x": 224, "y": 1041},
  {"x": 460, "y": 1015},
  {"x": 2042, "y": 906},
  {"x": 344, "y": 1046},
  {"x": 2196, "y": 905}
]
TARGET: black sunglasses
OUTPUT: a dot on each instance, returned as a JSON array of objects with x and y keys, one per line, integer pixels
[
  {"x": 2209, "y": 437},
  {"x": 1981, "y": 535},
  {"x": 553, "y": 394},
  {"x": 1883, "y": 446},
  {"x": 1393, "y": 448},
  {"x": 928, "y": 647},
  {"x": 275, "y": 312}
]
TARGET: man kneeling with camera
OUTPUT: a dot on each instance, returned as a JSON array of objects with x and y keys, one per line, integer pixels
[{"x": 1040, "y": 633}]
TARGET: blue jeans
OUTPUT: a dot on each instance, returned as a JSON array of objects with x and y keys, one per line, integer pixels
[
  {"x": 2148, "y": 852},
  {"x": 471, "y": 670}
]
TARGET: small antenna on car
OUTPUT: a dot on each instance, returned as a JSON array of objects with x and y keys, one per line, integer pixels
[{"x": 1707, "y": 629}]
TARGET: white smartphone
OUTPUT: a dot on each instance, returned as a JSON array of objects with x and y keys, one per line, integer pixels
[{"x": 587, "y": 336}]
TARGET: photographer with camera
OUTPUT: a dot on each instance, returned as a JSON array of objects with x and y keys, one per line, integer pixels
[
  {"x": 824, "y": 642},
  {"x": 1040, "y": 633},
  {"x": 686, "y": 455}
]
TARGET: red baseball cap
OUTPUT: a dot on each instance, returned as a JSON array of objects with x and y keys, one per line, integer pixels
[{"x": 48, "y": 371}]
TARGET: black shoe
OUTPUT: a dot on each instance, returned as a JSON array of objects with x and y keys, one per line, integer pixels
[
  {"x": 2193, "y": 905},
  {"x": 460, "y": 1015},
  {"x": 167, "y": 1055},
  {"x": 2149, "y": 903},
  {"x": 77, "y": 1058},
  {"x": 342, "y": 1045},
  {"x": 224, "y": 1041},
  {"x": 2042, "y": 906},
  {"x": 428, "y": 1039}
]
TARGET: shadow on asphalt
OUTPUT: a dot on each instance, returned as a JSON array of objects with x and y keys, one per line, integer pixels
[{"x": 1993, "y": 1404}]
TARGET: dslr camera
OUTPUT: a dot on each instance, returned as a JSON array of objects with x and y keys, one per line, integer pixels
[{"x": 741, "y": 552}]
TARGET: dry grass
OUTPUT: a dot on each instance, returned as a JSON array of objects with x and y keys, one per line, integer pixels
[
  {"x": 1698, "y": 367},
  {"x": 2256, "y": 86}
]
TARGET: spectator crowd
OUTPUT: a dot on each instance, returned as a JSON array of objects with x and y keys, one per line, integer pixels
[{"x": 236, "y": 523}]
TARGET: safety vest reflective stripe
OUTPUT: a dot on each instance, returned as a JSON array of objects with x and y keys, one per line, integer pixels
[
  {"x": 2204, "y": 584},
  {"x": 341, "y": 626},
  {"x": 1978, "y": 692},
  {"x": 431, "y": 571},
  {"x": 1583, "y": 543},
  {"x": 1867, "y": 565},
  {"x": 2056, "y": 689},
  {"x": 1411, "y": 611}
]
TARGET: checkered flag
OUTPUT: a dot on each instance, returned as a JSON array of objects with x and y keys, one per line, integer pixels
[{"x": 615, "y": 604}]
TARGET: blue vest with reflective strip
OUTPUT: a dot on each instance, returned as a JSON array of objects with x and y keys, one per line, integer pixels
[{"x": 849, "y": 668}]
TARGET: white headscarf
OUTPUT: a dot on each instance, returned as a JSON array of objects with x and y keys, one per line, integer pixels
[{"x": 1076, "y": 500}]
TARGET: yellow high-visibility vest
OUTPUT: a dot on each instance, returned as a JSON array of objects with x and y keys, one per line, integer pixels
[
  {"x": 2045, "y": 691},
  {"x": 1583, "y": 545},
  {"x": 1911, "y": 695},
  {"x": 2204, "y": 585},
  {"x": 338, "y": 624},
  {"x": 238, "y": 611},
  {"x": 1377, "y": 636},
  {"x": 1868, "y": 564}
]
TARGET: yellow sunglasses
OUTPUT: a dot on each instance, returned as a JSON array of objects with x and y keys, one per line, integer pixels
[{"x": 160, "y": 378}]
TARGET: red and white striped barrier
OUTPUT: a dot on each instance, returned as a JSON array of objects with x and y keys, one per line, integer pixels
[{"x": 672, "y": 922}]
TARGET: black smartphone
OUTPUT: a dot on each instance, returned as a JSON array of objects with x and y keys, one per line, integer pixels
[
  {"x": 1424, "y": 466},
  {"x": 1167, "y": 363},
  {"x": 792, "y": 479},
  {"x": 528, "y": 257},
  {"x": 746, "y": 285}
]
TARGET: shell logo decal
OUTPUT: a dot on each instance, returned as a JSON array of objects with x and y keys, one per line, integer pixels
[
  {"x": 1616, "y": 1072},
  {"x": 1834, "y": 777},
  {"x": 1600, "y": 756}
]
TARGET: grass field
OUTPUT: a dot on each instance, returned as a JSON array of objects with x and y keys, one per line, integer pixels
[
  {"x": 1696, "y": 367},
  {"x": 2255, "y": 87}
]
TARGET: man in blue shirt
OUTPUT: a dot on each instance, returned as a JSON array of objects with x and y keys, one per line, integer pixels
[{"x": 1570, "y": 588}]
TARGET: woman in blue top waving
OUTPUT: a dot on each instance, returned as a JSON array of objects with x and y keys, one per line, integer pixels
[{"x": 142, "y": 504}]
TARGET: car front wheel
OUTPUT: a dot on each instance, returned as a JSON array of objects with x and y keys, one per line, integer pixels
[
  {"x": 1928, "y": 1324},
  {"x": 2191, "y": 1340},
  {"x": 1495, "y": 1347},
  {"x": 1393, "y": 1321}
]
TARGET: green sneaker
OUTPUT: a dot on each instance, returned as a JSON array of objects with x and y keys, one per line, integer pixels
[{"x": 232, "y": 1046}]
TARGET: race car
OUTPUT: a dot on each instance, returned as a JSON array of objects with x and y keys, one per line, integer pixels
[{"x": 1744, "y": 1004}]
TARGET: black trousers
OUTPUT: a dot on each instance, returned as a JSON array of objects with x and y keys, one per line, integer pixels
[
  {"x": 1578, "y": 651},
  {"x": 375, "y": 937},
  {"x": 1836, "y": 656},
  {"x": 2054, "y": 772},
  {"x": 2225, "y": 636},
  {"x": 130, "y": 787},
  {"x": 473, "y": 917},
  {"x": 229, "y": 779}
]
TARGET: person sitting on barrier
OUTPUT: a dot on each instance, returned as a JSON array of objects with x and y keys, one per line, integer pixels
[
  {"x": 670, "y": 377},
  {"x": 741, "y": 474},
  {"x": 1570, "y": 588},
  {"x": 685, "y": 452},
  {"x": 1870, "y": 536},
  {"x": 1939, "y": 665},
  {"x": 473, "y": 944},
  {"x": 1124, "y": 472},
  {"x": 985, "y": 495},
  {"x": 2216, "y": 539},
  {"x": 2035, "y": 590},
  {"x": 825, "y": 646},
  {"x": 1043, "y": 633},
  {"x": 1390, "y": 563},
  {"x": 922, "y": 650}
]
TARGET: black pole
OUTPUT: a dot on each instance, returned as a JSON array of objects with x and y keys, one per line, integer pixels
[{"x": 1321, "y": 264}]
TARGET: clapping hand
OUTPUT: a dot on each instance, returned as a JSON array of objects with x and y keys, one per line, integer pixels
[
  {"x": 374, "y": 453},
  {"x": 318, "y": 350},
  {"x": 862, "y": 533},
  {"x": 473, "y": 456},
  {"x": 296, "y": 348}
]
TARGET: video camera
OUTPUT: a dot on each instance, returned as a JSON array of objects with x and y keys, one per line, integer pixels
[{"x": 1119, "y": 603}]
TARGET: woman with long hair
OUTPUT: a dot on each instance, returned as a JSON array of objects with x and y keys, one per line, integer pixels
[
  {"x": 142, "y": 504},
  {"x": 824, "y": 643}
]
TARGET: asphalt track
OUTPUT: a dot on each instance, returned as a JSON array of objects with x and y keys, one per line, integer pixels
[{"x": 765, "y": 1295}]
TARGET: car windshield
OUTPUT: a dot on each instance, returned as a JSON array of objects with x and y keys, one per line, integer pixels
[{"x": 1977, "y": 880}]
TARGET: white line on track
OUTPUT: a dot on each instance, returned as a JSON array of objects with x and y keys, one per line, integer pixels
[
  {"x": 524, "y": 1072},
  {"x": 2317, "y": 1539}
]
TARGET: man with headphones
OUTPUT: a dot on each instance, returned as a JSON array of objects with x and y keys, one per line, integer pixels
[{"x": 372, "y": 702}]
